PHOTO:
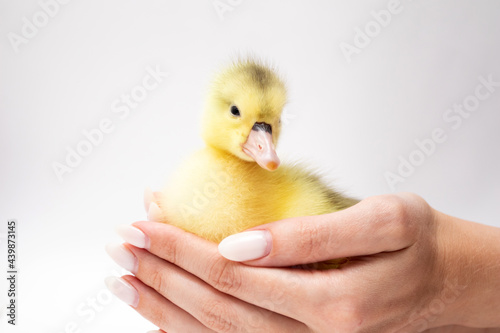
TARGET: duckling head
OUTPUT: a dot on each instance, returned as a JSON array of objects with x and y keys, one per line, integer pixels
[{"x": 243, "y": 111}]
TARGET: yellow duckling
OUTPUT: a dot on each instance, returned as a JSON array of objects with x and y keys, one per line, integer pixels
[{"x": 235, "y": 182}]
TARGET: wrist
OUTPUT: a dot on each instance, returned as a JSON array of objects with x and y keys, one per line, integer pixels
[{"x": 470, "y": 257}]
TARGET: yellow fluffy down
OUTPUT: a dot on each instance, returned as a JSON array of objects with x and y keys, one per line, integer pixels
[
  {"x": 214, "y": 194},
  {"x": 220, "y": 190}
]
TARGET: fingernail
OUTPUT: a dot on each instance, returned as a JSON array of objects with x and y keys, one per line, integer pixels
[
  {"x": 133, "y": 236},
  {"x": 154, "y": 213},
  {"x": 123, "y": 290},
  {"x": 248, "y": 245},
  {"x": 149, "y": 197},
  {"x": 123, "y": 257}
]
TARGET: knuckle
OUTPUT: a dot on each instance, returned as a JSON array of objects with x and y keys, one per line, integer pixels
[
  {"x": 170, "y": 248},
  {"x": 310, "y": 243},
  {"x": 223, "y": 276},
  {"x": 159, "y": 281},
  {"x": 348, "y": 316},
  {"x": 396, "y": 217},
  {"x": 216, "y": 315},
  {"x": 396, "y": 208},
  {"x": 353, "y": 314}
]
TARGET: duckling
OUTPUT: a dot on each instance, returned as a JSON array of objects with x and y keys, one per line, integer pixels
[{"x": 236, "y": 181}]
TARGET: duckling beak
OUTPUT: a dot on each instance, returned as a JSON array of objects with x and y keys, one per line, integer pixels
[{"x": 259, "y": 146}]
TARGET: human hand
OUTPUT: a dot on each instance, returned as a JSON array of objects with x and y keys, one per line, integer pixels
[{"x": 398, "y": 278}]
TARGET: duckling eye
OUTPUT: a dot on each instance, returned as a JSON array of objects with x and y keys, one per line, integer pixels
[{"x": 235, "y": 111}]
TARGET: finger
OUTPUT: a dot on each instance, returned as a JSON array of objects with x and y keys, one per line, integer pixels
[
  {"x": 151, "y": 198},
  {"x": 155, "y": 213},
  {"x": 274, "y": 289},
  {"x": 217, "y": 311},
  {"x": 148, "y": 198},
  {"x": 155, "y": 307},
  {"x": 378, "y": 224}
]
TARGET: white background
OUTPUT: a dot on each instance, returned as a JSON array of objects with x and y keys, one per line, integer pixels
[{"x": 353, "y": 120}]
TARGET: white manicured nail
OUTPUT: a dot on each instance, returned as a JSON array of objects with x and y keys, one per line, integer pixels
[
  {"x": 123, "y": 290},
  {"x": 154, "y": 213},
  {"x": 123, "y": 257},
  {"x": 248, "y": 245},
  {"x": 149, "y": 197},
  {"x": 133, "y": 236}
]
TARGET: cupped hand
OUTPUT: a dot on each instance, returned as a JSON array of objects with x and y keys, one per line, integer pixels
[{"x": 397, "y": 279}]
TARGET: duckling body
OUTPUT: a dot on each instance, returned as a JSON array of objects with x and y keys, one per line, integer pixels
[
  {"x": 215, "y": 194},
  {"x": 235, "y": 182}
]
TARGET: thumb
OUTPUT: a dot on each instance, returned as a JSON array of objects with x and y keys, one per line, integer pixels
[{"x": 374, "y": 225}]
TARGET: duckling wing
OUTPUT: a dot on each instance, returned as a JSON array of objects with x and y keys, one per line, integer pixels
[{"x": 301, "y": 192}]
